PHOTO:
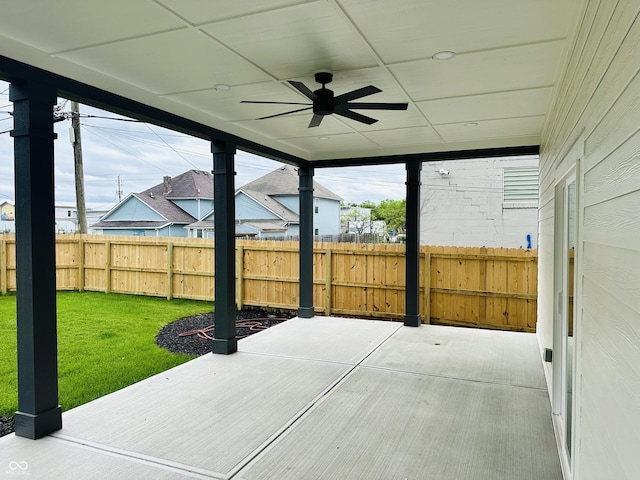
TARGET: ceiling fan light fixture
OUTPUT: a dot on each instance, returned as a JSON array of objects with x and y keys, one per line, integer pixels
[
  {"x": 444, "y": 55},
  {"x": 324, "y": 102}
]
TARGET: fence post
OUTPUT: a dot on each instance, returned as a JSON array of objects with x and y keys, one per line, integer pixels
[
  {"x": 81, "y": 264},
  {"x": 482, "y": 286},
  {"x": 427, "y": 287},
  {"x": 328, "y": 278},
  {"x": 239, "y": 278},
  {"x": 169, "y": 270},
  {"x": 107, "y": 267},
  {"x": 3, "y": 266}
]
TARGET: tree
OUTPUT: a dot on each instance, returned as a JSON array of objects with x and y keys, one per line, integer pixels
[
  {"x": 393, "y": 212},
  {"x": 357, "y": 219}
]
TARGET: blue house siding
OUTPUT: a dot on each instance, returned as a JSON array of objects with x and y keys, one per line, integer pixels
[
  {"x": 326, "y": 216},
  {"x": 248, "y": 209},
  {"x": 292, "y": 202},
  {"x": 168, "y": 231},
  {"x": 133, "y": 208},
  {"x": 195, "y": 207}
]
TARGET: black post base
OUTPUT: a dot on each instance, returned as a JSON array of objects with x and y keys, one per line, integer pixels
[
  {"x": 412, "y": 320},
  {"x": 225, "y": 346},
  {"x": 37, "y": 426},
  {"x": 306, "y": 312}
]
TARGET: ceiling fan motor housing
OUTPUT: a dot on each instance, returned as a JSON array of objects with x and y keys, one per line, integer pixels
[{"x": 324, "y": 103}]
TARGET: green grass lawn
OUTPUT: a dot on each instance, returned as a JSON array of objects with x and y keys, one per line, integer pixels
[{"x": 105, "y": 342}]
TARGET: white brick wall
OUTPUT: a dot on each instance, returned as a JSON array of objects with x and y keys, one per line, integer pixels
[{"x": 465, "y": 207}]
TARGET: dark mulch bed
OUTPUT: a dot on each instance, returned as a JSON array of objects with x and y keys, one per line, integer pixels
[
  {"x": 188, "y": 334},
  {"x": 6, "y": 425},
  {"x": 248, "y": 322}
]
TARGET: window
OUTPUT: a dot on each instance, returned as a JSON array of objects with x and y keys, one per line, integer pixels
[
  {"x": 520, "y": 187},
  {"x": 316, "y": 209},
  {"x": 317, "y": 231}
]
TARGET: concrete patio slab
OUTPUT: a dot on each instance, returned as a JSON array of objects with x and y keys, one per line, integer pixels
[
  {"x": 51, "y": 458},
  {"x": 383, "y": 424},
  {"x": 510, "y": 358},
  {"x": 333, "y": 339},
  {"x": 320, "y": 398},
  {"x": 210, "y": 413}
]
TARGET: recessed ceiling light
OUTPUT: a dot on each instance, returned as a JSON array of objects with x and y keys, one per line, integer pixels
[
  {"x": 471, "y": 124},
  {"x": 444, "y": 55},
  {"x": 222, "y": 87},
  {"x": 323, "y": 138}
]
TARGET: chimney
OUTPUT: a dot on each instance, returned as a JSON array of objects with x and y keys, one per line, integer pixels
[{"x": 166, "y": 181}]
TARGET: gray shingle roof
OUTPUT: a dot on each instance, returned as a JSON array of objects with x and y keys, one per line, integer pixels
[
  {"x": 284, "y": 181},
  {"x": 190, "y": 184}
]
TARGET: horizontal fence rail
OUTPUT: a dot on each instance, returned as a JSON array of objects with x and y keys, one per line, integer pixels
[{"x": 480, "y": 287}]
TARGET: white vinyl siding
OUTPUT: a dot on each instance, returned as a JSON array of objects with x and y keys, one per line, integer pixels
[{"x": 594, "y": 124}]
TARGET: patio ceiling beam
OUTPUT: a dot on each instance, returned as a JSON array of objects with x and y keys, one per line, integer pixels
[
  {"x": 429, "y": 156},
  {"x": 38, "y": 411}
]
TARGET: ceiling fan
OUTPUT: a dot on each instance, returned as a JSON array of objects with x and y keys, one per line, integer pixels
[{"x": 325, "y": 103}]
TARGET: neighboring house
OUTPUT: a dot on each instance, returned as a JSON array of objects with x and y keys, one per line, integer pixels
[
  {"x": 183, "y": 206},
  {"x": 7, "y": 217},
  {"x": 93, "y": 217},
  {"x": 66, "y": 218},
  {"x": 269, "y": 207},
  {"x": 7, "y": 211},
  {"x": 480, "y": 203},
  {"x": 357, "y": 220},
  {"x": 163, "y": 210}
]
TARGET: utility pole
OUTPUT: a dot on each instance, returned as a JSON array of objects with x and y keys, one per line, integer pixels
[
  {"x": 119, "y": 190},
  {"x": 76, "y": 140}
]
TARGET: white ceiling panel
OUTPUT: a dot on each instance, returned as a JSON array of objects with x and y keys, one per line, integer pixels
[
  {"x": 296, "y": 41},
  {"x": 405, "y": 136},
  {"x": 514, "y": 68},
  {"x": 492, "y": 129},
  {"x": 60, "y": 25},
  {"x": 409, "y": 30},
  {"x": 170, "y": 54},
  {"x": 292, "y": 126},
  {"x": 227, "y": 103},
  {"x": 335, "y": 144},
  {"x": 158, "y": 63},
  {"x": 199, "y": 12},
  {"x": 491, "y": 106}
]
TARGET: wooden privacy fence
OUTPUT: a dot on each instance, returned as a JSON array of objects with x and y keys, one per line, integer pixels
[{"x": 482, "y": 287}]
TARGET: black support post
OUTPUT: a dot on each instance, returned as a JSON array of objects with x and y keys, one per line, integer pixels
[
  {"x": 412, "y": 256},
  {"x": 38, "y": 411},
  {"x": 224, "y": 333},
  {"x": 306, "y": 309}
]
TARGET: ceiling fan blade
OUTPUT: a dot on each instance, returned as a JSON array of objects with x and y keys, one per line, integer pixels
[
  {"x": 373, "y": 106},
  {"x": 315, "y": 120},
  {"x": 284, "y": 113},
  {"x": 356, "y": 116},
  {"x": 274, "y": 103},
  {"x": 302, "y": 88},
  {"x": 358, "y": 93}
]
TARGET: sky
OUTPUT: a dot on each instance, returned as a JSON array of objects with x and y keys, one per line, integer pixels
[{"x": 140, "y": 155}]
